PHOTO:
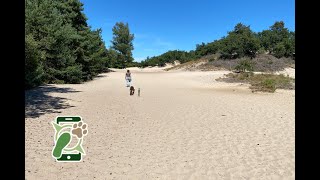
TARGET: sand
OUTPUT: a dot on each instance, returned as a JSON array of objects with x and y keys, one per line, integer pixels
[
  {"x": 185, "y": 125},
  {"x": 288, "y": 72}
]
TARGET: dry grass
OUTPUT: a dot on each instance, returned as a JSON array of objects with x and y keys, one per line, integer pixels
[
  {"x": 262, "y": 63},
  {"x": 261, "y": 82}
]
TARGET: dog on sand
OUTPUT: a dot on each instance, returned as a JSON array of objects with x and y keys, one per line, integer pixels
[{"x": 132, "y": 90}]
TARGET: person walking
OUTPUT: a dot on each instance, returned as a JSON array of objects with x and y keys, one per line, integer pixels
[{"x": 128, "y": 78}]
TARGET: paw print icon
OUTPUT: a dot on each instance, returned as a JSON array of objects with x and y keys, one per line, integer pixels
[
  {"x": 69, "y": 130},
  {"x": 79, "y": 129}
]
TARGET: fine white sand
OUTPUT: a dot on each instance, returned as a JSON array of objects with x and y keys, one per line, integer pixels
[{"x": 185, "y": 125}]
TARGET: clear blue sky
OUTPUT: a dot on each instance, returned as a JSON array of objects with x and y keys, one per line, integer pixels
[{"x": 162, "y": 25}]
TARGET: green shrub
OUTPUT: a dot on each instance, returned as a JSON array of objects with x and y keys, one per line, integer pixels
[
  {"x": 279, "y": 50},
  {"x": 245, "y": 65},
  {"x": 268, "y": 85},
  {"x": 261, "y": 82}
]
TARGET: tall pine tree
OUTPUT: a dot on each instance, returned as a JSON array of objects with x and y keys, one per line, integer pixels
[{"x": 122, "y": 43}]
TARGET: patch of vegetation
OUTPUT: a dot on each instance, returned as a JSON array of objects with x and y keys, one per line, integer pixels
[
  {"x": 188, "y": 65},
  {"x": 244, "y": 65},
  {"x": 261, "y": 82},
  {"x": 261, "y": 63},
  {"x": 60, "y": 46},
  {"x": 269, "y": 63},
  {"x": 169, "y": 57}
]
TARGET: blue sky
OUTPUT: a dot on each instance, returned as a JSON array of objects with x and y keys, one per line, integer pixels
[{"x": 162, "y": 25}]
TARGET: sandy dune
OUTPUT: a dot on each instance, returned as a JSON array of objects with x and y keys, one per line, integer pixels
[{"x": 185, "y": 125}]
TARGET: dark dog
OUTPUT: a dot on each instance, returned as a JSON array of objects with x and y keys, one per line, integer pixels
[{"x": 131, "y": 90}]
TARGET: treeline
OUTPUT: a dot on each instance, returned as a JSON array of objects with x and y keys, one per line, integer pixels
[
  {"x": 169, "y": 57},
  {"x": 241, "y": 42},
  {"x": 60, "y": 47}
]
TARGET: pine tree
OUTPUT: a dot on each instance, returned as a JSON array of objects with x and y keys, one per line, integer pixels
[{"x": 122, "y": 43}]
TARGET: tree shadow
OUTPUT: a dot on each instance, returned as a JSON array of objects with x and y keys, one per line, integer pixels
[
  {"x": 100, "y": 76},
  {"x": 38, "y": 102}
]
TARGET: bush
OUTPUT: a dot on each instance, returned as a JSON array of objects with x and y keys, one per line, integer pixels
[
  {"x": 269, "y": 63},
  {"x": 261, "y": 82},
  {"x": 245, "y": 65},
  {"x": 271, "y": 82},
  {"x": 279, "y": 50},
  {"x": 268, "y": 85}
]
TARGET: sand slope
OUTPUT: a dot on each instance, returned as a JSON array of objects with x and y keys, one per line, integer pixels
[{"x": 185, "y": 125}]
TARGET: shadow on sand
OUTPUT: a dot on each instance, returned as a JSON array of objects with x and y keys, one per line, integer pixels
[
  {"x": 100, "y": 76},
  {"x": 38, "y": 102}
]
